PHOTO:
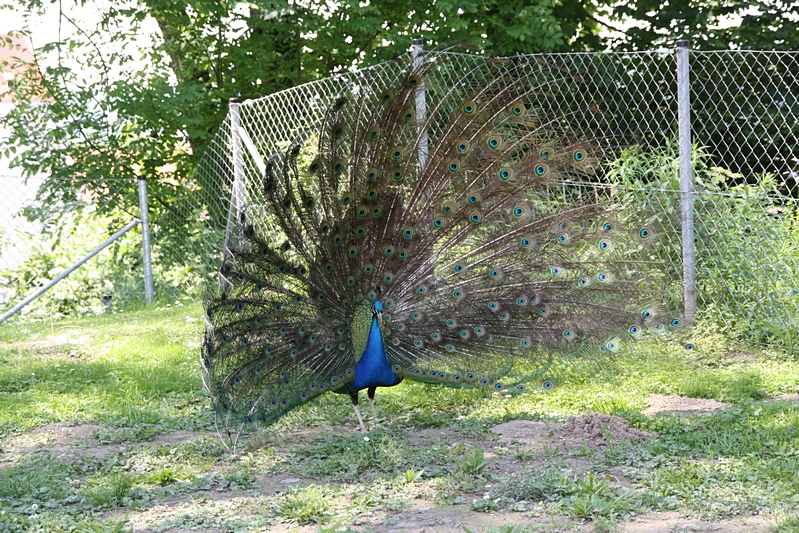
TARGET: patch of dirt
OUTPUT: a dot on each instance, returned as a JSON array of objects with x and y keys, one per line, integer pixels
[
  {"x": 671, "y": 522},
  {"x": 71, "y": 440},
  {"x": 675, "y": 404},
  {"x": 592, "y": 430}
]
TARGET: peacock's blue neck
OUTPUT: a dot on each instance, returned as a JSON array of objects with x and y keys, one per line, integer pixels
[{"x": 373, "y": 368}]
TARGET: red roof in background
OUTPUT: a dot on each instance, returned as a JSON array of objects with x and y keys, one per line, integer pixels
[{"x": 17, "y": 50}]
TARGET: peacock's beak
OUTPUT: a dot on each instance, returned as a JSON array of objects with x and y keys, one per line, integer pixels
[{"x": 379, "y": 315}]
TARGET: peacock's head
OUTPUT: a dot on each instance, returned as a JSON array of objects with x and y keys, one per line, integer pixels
[{"x": 377, "y": 310}]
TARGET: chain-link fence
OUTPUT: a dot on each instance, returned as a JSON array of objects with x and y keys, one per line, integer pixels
[{"x": 743, "y": 124}]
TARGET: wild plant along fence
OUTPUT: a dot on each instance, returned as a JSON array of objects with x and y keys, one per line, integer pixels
[{"x": 739, "y": 146}]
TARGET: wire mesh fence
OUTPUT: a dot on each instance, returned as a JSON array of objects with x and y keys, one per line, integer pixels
[{"x": 743, "y": 123}]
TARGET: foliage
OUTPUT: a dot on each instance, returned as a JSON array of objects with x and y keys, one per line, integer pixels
[
  {"x": 711, "y": 25},
  {"x": 747, "y": 240}
]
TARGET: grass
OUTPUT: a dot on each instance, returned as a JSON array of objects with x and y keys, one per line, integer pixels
[{"x": 143, "y": 448}]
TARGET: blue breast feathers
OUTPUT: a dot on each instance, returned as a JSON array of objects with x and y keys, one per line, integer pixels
[{"x": 373, "y": 369}]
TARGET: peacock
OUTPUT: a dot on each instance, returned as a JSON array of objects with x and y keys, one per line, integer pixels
[{"x": 471, "y": 242}]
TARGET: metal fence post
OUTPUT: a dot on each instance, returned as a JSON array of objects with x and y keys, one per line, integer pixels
[
  {"x": 686, "y": 178},
  {"x": 144, "y": 216},
  {"x": 421, "y": 104},
  {"x": 237, "y": 190}
]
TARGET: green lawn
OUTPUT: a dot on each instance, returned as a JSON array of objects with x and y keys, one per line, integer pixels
[{"x": 103, "y": 421}]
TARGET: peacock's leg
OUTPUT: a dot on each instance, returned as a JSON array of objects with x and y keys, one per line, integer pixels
[
  {"x": 354, "y": 398},
  {"x": 370, "y": 394}
]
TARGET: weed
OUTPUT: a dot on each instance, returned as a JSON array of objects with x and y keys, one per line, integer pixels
[
  {"x": 412, "y": 475},
  {"x": 305, "y": 506},
  {"x": 114, "y": 490},
  {"x": 473, "y": 463}
]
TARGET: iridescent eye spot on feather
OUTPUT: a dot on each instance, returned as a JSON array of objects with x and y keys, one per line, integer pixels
[
  {"x": 493, "y": 306},
  {"x": 473, "y": 198},
  {"x": 371, "y": 175},
  {"x": 368, "y": 268},
  {"x": 397, "y": 175},
  {"x": 360, "y": 231},
  {"x": 362, "y": 212},
  {"x": 521, "y": 301},
  {"x": 505, "y": 173},
  {"x": 451, "y": 323},
  {"x": 437, "y": 223},
  {"x": 388, "y": 277},
  {"x": 239, "y": 307},
  {"x": 396, "y": 153},
  {"x": 484, "y": 382},
  {"x": 604, "y": 245},
  {"x": 418, "y": 343},
  {"x": 504, "y": 316},
  {"x": 526, "y": 243},
  {"x": 517, "y": 109},
  {"x": 479, "y": 331},
  {"x": 635, "y": 331},
  {"x": 545, "y": 153},
  {"x": 346, "y": 200},
  {"x": 402, "y": 253},
  {"x": 544, "y": 310},
  {"x": 462, "y": 146},
  {"x": 314, "y": 166},
  {"x": 689, "y": 346},
  {"x": 337, "y": 130},
  {"x": 496, "y": 273},
  {"x": 645, "y": 233},
  {"x": 407, "y": 232},
  {"x": 555, "y": 271},
  {"x": 475, "y": 217},
  {"x": 469, "y": 107},
  {"x": 408, "y": 115},
  {"x": 647, "y": 314},
  {"x": 421, "y": 289},
  {"x": 342, "y": 346},
  {"x": 583, "y": 282},
  {"x": 374, "y": 133},
  {"x": 449, "y": 348},
  {"x": 338, "y": 165},
  {"x": 387, "y": 96},
  {"x": 676, "y": 323},
  {"x": 377, "y": 211},
  {"x": 607, "y": 227},
  {"x": 396, "y": 369},
  {"x": 346, "y": 304},
  {"x": 388, "y": 250},
  {"x": 578, "y": 156},
  {"x": 525, "y": 342},
  {"x": 458, "y": 294},
  {"x": 568, "y": 334},
  {"x": 352, "y": 252},
  {"x": 372, "y": 194},
  {"x": 458, "y": 268},
  {"x": 465, "y": 334},
  {"x": 453, "y": 166},
  {"x": 446, "y": 208},
  {"x": 435, "y": 336},
  {"x": 563, "y": 238},
  {"x": 520, "y": 388},
  {"x": 351, "y": 281},
  {"x": 519, "y": 211},
  {"x": 494, "y": 142},
  {"x": 604, "y": 277},
  {"x": 414, "y": 80},
  {"x": 395, "y": 341},
  {"x": 547, "y": 385}
]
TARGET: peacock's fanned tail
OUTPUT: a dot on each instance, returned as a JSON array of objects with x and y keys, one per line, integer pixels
[{"x": 493, "y": 265}]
